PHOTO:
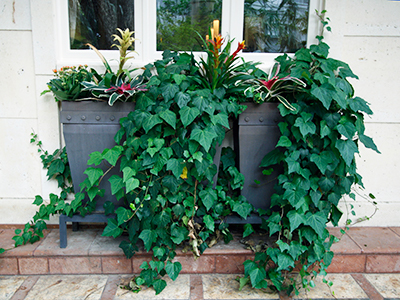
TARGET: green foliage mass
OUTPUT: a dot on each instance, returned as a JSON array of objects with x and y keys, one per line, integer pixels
[
  {"x": 166, "y": 148},
  {"x": 317, "y": 147}
]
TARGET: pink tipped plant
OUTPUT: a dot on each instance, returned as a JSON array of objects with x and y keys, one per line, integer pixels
[{"x": 273, "y": 87}]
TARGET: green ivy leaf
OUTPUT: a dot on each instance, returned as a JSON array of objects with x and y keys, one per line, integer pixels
[
  {"x": 221, "y": 119},
  {"x": 272, "y": 158},
  {"x": 57, "y": 166},
  {"x": 178, "y": 233},
  {"x": 324, "y": 93},
  {"x": 178, "y": 78},
  {"x": 158, "y": 252},
  {"x": 131, "y": 184},
  {"x": 159, "y": 285},
  {"x": 257, "y": 275},
  {"x": 38, "y": 200},
  {"x": 347, "y": 149},
  {"x": 128, "y": 173},
  {"x": 169, "y": 90},
  {"x": 295, "y": 219},
  {"x": 284, "y": 141},
  {"x": 242, "y": 209},
  {"x": 368, "y": 142},
  {"x": 116, "y": 184},
  {"x": 203, "y": 137},
  {"x": 112, "y": 155},
  {"x": 93, "y": 174},
  {"x": 317, "y": 222},
  {"x": 123, "y": 215},
  {"x": 209, "y": 222},
  {"x": 188, "y": 115},
  {"x": 322, "y": 161},
  {"x": 208, "y": 197},
  {"x": 148, "y": 237},
  {"x": 285, "y": 262},
  {"x": 173, "y": 269},
  {"x": 151, "y": 121},
  {"x": 169, "y": 117},
  {"x": 326, "y": 183},
  {"x": 176, "y": 166},
  {"x": 248, "y": 229},
  {"x": 128, "y": 248},
  {"x": 112, "y": 229},
  {"x": 305, "y": 124},
  {"x": 108, "y": 207},
  {"x": 346, "y": 128},
  {"x": 359, "y": 104},
  {"x": 295, "y": 196},
  {"x": 182, "y": 99},
  {"x": 296, "y": 249}
]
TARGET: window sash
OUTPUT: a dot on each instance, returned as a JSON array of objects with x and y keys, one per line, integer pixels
[{"x": 146, "y": 34}]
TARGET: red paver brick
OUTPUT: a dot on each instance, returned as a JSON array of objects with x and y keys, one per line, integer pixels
[
  {"x": 229, "y": 264},
  {"x": 111, "y": 287},
  {"x": 8, "y": 266},
  {"x": 367, "y": 287},
  {"x": 375, "y": 239},
  {"x": 106, "y": 245},
  {"x": 79, "y": 243},
  {"x": 202, "y": 265},
  {"x": 25, "y": 288},
  {"x": 33, "y": 265},
  {"x": 75, "y": 265},
  {"x": 116, "y": 265},
  {"x": 347, "y": 264},
  {"x": 346, "y": 245},
  {"x": 196, "y": 287},
  {"x": 395, "y": 230},
  {"x": 383, "y": 264}
]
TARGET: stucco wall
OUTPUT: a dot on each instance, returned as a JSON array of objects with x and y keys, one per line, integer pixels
[{"x": 365, "y": 34}]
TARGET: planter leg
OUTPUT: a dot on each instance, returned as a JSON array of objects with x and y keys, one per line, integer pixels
[
  {"x": 75, "y": 226},
  {"x": 63, "y": 231}
]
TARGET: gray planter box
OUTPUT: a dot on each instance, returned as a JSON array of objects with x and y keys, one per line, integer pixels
[
  {"x": 258, "y": 133},
  {"x": 88, "y": 127}
]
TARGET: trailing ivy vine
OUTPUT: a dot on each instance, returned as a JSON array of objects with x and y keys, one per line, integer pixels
[
  {"x": 165, "y": 150},
  {"x": 317, "y": 147}
]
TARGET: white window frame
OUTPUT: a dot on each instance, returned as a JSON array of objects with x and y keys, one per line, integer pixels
[{"x": 146, "y": 35}]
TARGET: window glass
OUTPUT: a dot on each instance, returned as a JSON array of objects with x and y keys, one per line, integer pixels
[
  {"x": 94, "y": 21},
  {"x": 177, "y": 21},
  {"x": 275, "y": 26}
]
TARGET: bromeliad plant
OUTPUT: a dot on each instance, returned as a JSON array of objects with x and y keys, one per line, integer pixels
[
  {"x": 221, "y": 68},
  {"x": 263, "y": 90},
  {"x": 317, "y": 147}
]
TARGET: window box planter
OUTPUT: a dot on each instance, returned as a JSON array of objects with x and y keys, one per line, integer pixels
[
  {"x": 90, "y": 126},
  {"x": 258, "y": 133}
]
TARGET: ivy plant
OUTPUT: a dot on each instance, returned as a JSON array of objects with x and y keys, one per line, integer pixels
[
  {"x": 316, "y": 150},
  {"x": 165, "y": 151},
  {"x": 56, "y": 164}
]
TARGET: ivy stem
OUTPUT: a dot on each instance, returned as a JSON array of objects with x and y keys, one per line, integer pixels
[{"x": 280, "y": 224}]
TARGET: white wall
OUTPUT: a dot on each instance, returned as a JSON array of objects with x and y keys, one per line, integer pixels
[{"x": 365, "y": 34}]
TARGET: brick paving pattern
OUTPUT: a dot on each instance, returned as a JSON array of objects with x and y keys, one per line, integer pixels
[{"x": 366, "y": 266}]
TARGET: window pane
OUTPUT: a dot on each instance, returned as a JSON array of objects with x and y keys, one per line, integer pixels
[
  {"x": 275, "y": 26},
  {"x": 94, "y": 21},
  {"x": 177, "y": 21}
]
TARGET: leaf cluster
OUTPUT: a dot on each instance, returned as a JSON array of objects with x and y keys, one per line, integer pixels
[
  {"x": 317, "y": 147},
  {"x": 165, "y": 150},
  {"x": 66, "y": 86}
]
